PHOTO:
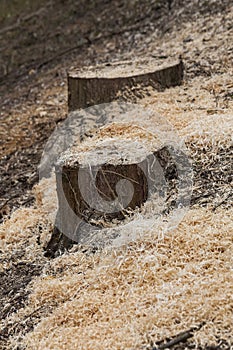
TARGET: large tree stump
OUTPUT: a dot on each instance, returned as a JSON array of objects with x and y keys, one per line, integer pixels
[
  {"x": 101, "y": 181},
  {"x": 101, "y": 84}
]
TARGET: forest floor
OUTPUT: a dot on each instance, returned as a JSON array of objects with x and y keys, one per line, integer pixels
[{"x": 38, "y": 46}]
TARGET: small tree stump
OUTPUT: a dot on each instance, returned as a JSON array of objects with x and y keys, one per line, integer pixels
[
  {"x": 100, "y": 84},
  {"x": 102, "y": 181}
]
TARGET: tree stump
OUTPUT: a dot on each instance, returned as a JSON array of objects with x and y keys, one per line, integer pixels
[
  {"x": 103, "y": 180},
  {"x": 101, "y": 84}
]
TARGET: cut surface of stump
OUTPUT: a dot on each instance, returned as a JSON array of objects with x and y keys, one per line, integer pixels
[
  {"x": 101, "y": 84},
  {"x": 103, "y": 180}
]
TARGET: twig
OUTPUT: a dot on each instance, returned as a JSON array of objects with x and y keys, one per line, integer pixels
[{"x": 181, "y": 337}]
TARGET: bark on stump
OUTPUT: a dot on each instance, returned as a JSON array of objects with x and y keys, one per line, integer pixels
[
  {"x": 101, "y": 84},
  {"x": 102, "y": 184}
]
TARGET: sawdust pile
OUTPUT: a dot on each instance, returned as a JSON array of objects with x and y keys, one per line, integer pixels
[{"x": 133, "y": 295}]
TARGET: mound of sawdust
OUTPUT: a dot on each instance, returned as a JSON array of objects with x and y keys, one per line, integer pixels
[
  {"x": 135, "y": 295},
  {"x": 111, "y": 143}
]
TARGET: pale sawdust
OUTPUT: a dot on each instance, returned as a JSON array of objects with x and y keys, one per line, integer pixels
[
  {"x": 123, "y": 69},
  {"x": 21, "y": 125},
  {"x": 192, "y": 105},
  {"x": 127, "y": 297},
  {"x": 126, "y": 141}
]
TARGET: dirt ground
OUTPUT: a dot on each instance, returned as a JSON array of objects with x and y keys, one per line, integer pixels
[{"x": 39, "y": 43}]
